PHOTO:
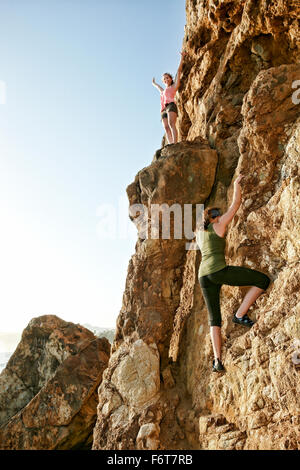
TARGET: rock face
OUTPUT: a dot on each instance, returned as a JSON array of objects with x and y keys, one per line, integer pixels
[
  {"x": 48, "y": 390},
  {"x": 239, "y": 106},
  {"x": 131, "y": 385}
]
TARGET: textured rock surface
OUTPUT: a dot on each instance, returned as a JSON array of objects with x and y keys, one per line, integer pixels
[
  {"x": 48, "y": 390},
  {"x": 236, "y": 93},
  {"x": 130, "y": 389}
]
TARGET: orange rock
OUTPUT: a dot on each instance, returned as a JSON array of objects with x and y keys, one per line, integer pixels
[
  {"x": 50, "y": 396},
  {"x": 235, "y": 98}
]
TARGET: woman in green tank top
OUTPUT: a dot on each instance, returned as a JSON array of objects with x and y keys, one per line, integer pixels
[
  {"x": 214, "y": 272},
  {"x": 212, "y": 250}
]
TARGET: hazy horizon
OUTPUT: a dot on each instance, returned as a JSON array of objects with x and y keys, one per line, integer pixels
[{"x": 9, "y": 340}]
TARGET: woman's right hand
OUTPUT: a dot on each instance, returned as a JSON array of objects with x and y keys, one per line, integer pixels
[
  {"x": 153, "y": 81},
  {"x": 226, "y": 218}
]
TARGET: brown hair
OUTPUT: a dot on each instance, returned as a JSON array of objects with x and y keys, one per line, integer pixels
[
  {"x": 169, "y": 75},
  {"x": 209, "y": 214}
]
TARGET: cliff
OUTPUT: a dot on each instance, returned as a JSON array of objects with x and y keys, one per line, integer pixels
[
  {"x": 238, "y": 112},
  {"x": 48, "y": 390}
]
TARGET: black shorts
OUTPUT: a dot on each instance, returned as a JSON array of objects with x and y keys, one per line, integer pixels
[
  {"x": 169, "y": 107},
  {"x": 231, "y": 276}
]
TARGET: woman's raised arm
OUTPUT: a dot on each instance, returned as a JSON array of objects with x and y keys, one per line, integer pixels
[
  {"x": 177, "y": 80},
  {"x": 226, "y": 218},
  {"x": 160, "y": 89}
]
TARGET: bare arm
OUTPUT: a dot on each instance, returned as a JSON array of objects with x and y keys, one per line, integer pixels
[
  {"x": 177, "y": 80},
  {"x": 160, "y": 89},
  {"x": 225, "y": 219}
]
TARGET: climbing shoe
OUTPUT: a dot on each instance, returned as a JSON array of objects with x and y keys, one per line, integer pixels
[
  {"x": 245, "y": 320},
  {"x": 217, "y": 366}
]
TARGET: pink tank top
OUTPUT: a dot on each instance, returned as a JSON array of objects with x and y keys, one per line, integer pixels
[{"x": 167, "y": 96}]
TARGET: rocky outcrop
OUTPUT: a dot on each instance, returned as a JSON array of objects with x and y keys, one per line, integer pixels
[
  {"x": 237, "y": 107},
  {"x": 259, "y": 394},
  {"x": 131, "y": 385},
  {"x": 48, "y": 390},
  {"x": 228, "y": 43}
]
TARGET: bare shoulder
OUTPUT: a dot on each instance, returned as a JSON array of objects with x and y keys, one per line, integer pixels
[{"x": 220, "y": 229}]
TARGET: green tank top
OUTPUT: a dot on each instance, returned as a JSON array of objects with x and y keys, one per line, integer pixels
[{"x": 212, "y": 251}]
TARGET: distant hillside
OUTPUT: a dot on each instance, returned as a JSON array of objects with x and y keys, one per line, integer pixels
[
  {"x": 108, "y": 333},
  {"x": 9, "y": 341}
]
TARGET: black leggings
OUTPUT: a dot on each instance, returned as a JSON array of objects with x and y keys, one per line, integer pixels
[{"x": 231, "y": 276}]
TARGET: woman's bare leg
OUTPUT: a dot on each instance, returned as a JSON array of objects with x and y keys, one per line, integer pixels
[
  {"x": 249, "y": 299},
  {"x": 172, "y": 116},
  {"x": 167, "y": 130},
  {"x": 215, "y": 333}
]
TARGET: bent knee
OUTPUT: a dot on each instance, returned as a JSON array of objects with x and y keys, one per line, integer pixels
[
  {"x": 267, "y": 282},
  {"x": 264, "y": 283}
]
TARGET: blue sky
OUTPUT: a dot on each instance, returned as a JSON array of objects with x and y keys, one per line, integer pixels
[{"x": 79, "y": 120}]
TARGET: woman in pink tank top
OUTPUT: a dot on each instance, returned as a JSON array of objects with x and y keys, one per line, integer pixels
[{"x": 168, "y": 108}]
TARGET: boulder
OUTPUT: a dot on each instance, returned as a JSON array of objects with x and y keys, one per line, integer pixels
[{"x": 48, "y": 390}]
